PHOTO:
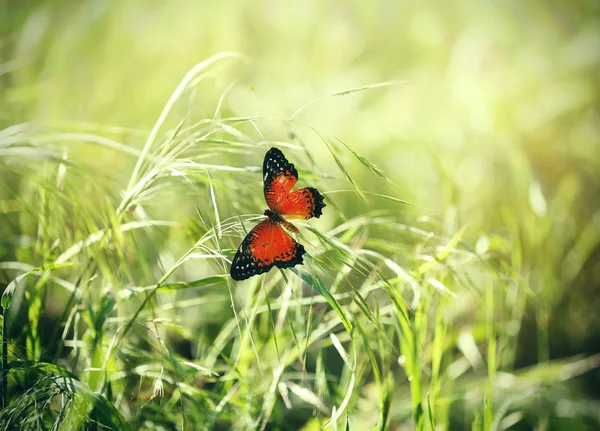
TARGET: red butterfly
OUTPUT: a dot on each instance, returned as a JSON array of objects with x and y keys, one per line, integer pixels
[{"x": 268, "y": 244}]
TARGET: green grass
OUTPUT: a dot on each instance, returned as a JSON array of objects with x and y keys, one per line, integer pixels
[
  {"x": 362, "y": 320},
  {"x": 445, "y": 287}
]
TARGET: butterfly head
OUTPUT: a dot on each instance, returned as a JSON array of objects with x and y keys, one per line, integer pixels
[{"x": 276, "y": 217}]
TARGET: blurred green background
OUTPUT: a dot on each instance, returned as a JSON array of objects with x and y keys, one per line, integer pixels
[{"x": 487, "y": 118}]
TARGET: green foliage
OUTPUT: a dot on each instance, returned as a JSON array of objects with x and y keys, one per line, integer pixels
[{"x": 451, "y": 283}]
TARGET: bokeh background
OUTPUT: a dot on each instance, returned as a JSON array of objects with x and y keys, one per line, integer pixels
[{"x": 483, "y": 114}]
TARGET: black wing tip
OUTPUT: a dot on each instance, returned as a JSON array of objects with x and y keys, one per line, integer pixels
[
  {"x": 236, "y": 275},
  {"x": 243, "y": 265},
  {"x": 274, "y": 151},
  {"x": 276, "y": 154},
  {"x": 318, "y": 202},
  {"x": 239, "y": 274},
  {"x": 296, "y": 260}
]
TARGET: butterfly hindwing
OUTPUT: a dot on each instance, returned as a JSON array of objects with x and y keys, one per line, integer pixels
[
  {"x": 279, "y": 177},
  {"x": 265, "y": 246}
]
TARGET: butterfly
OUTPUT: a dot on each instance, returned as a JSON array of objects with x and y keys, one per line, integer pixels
[{"x": 268, "y": 244}]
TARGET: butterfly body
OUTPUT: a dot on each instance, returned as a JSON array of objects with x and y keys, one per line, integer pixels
[
  {"x": 278, "y": 218},
  {"x": 268, "y": 244}
]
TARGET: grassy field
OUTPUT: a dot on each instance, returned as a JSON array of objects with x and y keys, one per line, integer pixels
[{"x": 453, "y": 281}]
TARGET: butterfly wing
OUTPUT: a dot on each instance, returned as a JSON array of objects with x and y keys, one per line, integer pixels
[
  {"x": 302, "y": 204},
  {"x": 279, "y": 177},
  {"x": 265, "y": 246}
]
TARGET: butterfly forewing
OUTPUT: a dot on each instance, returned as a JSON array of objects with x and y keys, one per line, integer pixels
[
  {"x": 280, "y": 176},
  {"x": 303, "y": 204},
  {"x": 265, "y": 246}
]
